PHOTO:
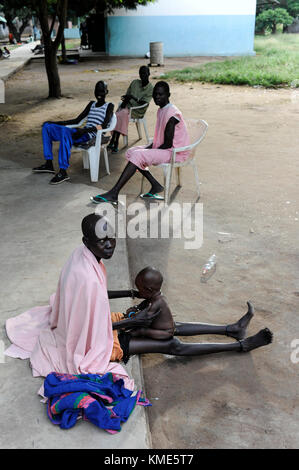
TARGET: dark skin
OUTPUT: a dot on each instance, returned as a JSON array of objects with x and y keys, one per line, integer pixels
[
  {"x": 103, "y": 248},
  {"x": 161, "y": 99},
  {"x": 148, "y": 283},
  {"x": 144, "y": 74},
  {"x": 100, "y": 93},
  {"x": 159, "y": 337}
]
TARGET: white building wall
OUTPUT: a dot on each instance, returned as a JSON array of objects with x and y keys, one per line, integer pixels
[{"x": 191, "y": 7}]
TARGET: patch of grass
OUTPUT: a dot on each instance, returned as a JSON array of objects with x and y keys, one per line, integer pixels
[
  {"x": 276, "y": 64},
  {"x": 71, "y": 44}
]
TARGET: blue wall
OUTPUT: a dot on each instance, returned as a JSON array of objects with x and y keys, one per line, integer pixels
[
  {"x": 72, "y": 33},
  {"x": 181, "y": 35}
]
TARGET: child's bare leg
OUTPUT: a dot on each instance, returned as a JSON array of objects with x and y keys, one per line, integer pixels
[
  {"x": 175, "y": 347},
  {"x": 236, "y": 330}
]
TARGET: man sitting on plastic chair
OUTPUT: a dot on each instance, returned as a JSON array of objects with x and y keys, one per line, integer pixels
[
  {"x": 170, "y": 132},
  {"x": 139, "y": 93},
  {"x": 98, "y": 114}
]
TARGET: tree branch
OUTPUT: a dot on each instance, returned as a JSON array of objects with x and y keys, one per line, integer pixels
[
  {"x": 62, "y": 12},
  {"x": 54, "y": 18}
]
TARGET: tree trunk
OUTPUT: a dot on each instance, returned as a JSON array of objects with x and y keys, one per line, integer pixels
[
  {"x": 25, "y": 23},
  {"x": 52, "y": 71},
  {"x": 12, "y": 28},
  {"x": 63, "y": 49},
  {"x": 52, "y": 46}
]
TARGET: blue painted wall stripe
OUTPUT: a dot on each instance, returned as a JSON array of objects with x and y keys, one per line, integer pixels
[{"x": 182, "y": 35}]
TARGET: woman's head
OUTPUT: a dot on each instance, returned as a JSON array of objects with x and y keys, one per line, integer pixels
[
  {"x": 98, "y": 236},
  {"x": 161, "y": 94}
]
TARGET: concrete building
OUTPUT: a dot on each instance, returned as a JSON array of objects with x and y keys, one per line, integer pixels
[{"x": 186, "y": 28}]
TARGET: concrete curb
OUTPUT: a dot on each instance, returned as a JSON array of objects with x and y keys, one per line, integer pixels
[
  {"x": 18, "y": 59},
  {"x": 40, "y": 229}
]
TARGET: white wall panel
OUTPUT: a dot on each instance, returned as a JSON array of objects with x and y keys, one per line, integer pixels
[{"x": 192, "y": 7}]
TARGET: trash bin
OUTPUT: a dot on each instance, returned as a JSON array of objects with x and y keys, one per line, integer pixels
[{"x": 156, "y": 53}]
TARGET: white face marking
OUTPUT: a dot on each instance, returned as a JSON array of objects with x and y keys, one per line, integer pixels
[{"x": 103, "y": 229}]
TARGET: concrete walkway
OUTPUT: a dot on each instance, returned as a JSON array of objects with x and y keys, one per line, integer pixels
[
  {"x": 19, "y": 57},
  {"x": 39, "y": 231}
]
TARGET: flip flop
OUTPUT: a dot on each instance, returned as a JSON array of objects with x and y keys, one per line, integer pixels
[
  {"x": 152, "y": 196},
  {"x": 97, "y": 201}
]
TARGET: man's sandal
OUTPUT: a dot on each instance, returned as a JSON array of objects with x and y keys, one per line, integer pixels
[
  {"x": 152, "y": 196},
  {"x": 100, "y": 199}
]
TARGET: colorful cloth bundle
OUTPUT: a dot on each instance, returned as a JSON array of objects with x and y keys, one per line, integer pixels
[{"x": 101, "y": 399}]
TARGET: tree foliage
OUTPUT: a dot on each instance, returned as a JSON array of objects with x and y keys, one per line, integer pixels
[
  {"x": 292, "y": 6},
  {"x": 13, "y": 10},
  {"x": 82, "y": 8},
  {"x": 45, "y": 9},
  {"x": 269, "y": 19}
]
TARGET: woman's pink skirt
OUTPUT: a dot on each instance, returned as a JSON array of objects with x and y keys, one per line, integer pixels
[{"x": 143, "y": 157}]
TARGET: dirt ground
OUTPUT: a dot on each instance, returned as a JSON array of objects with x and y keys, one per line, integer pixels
[{"x": 248, "y": 166}]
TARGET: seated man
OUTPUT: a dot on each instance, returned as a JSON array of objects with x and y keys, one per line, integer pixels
[
  {"x": 170, "y": 132},
  {"x": 139, "y": 92},
  {"x": 98, "y": 114}
]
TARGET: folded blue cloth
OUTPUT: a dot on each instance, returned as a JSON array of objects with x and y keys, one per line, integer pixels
[{"x": 100, "y": 399}]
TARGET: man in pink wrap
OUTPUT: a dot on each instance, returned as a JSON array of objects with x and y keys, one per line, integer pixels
[
  {"x": 74, "y": 333},
  {"x": 170, "y": 132}
]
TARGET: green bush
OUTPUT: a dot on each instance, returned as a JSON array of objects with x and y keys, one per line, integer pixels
[{"x": 269, "y": 19}]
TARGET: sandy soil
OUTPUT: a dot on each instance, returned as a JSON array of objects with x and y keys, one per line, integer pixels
[{"x": 248, "y": 167}]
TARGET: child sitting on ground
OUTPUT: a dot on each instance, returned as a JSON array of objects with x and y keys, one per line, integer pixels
[{"x": 149, "y": 282}]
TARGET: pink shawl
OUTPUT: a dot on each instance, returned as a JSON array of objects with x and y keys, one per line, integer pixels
[{"x": 74, "y": 333}]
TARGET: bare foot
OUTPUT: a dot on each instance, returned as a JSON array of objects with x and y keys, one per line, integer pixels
[
  {"x": 262, "y": 338},
  {"x": 238, "y": 330}
]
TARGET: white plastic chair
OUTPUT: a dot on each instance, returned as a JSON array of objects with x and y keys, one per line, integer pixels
[
  {"x": 138, "y": 122},
  {"x": 197, "y": 129},
  {"x": 92, "y": 155}
]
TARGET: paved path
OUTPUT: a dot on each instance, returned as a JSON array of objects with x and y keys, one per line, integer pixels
[
  {"x": 25, "y": 288},
  {"x": 39, "y": 230},
  {"x": 18, "y": 58}
]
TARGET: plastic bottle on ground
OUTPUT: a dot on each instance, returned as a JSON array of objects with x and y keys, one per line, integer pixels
[{"x": 209, "y": 269}]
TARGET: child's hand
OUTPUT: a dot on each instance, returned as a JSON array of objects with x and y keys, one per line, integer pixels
[
  {"x": 145, "y": 318},
  {"x": 99, "y": 127}
]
